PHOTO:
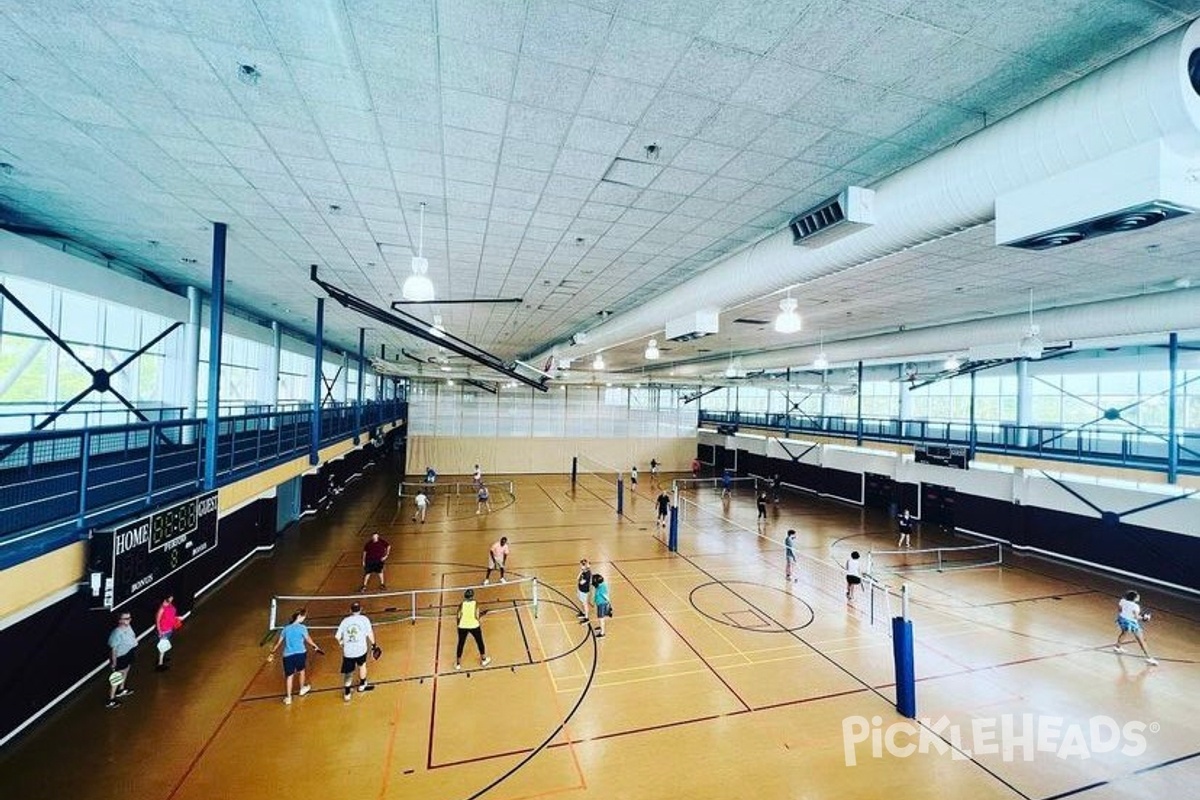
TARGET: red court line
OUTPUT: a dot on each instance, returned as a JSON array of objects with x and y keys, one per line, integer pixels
[
  {"x": 225, "y": 719},
  {"x": 391, "y": 748}
]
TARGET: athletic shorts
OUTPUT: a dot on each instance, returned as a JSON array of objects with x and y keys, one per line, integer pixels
[
  {"x": 604, "y": 610},
  {"x": 1129, "y": 625},
  {"x": 373, "y": 568},
  {"x": 124, "y": 662},
  {"x": 583, "y": 598},
  {"x": 294, "y": 663},
  {"x": 350, "y": 662},
  {"x": 493, "y": 563},
  {"x": 853, "y": 580}
]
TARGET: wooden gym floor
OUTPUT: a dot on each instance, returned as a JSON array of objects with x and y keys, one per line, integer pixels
[{"x": 717, "y": 678}]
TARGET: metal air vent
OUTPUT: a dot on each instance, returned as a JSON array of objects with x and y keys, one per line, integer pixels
[{"x": 841, "y": 215}]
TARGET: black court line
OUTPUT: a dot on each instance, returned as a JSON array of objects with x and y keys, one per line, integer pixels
[
  {"x": 1136, "y": 772},
  {"x": 850, "y": 674},
  {"x": 683, "y": 638},
  {"x": 1057, "y": 596},
  {"x": 524, "y": 638},
  {"x": 552, "y": 500}
]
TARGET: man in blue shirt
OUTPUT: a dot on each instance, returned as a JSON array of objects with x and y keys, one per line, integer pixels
[{"x": 295, "y": 641}]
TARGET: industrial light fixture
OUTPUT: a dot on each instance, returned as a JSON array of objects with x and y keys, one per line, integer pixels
[
  {"x": 1031, "y": 345},
  {"x": 821, "y": 362},
  {"x": 418, "y": 288},
  {"x": 952, "y": 363},
  {"x": 788, "y": 320},
  {"x": 598, "y": 363},
  {"x": 652, "y": 350}
]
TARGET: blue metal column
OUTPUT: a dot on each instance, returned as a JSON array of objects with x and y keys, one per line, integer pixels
[
  {"x": 314, "y": 447},
  {"x": 1172, "y": 440},
  {"x": 858, "y": 437},
  {"x": 362, "y": 340},
  {"x": 379, "y": 382},
  {"x": 972, "y": 439},
  {"x": 215, "y": 327}
]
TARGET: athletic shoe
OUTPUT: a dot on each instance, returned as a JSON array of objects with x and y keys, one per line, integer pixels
[
  {"x": 503, "y": 581},
  {"x": 1152, "y": 662},
  {"x": 1118, "y": 649},
  {"x": 287, "y": 701},
  {"x": 125, "y": 693},
  {"x": 305, "y": 689},
  {"x": 346, "y": 695},
  {"x": 488, "y": 660},
  {"x": 600, "y": 635},
  {"x": 366, "y": 687},
  {"x": 457, "y": 665},
  {"x": 113, "y": 704},
  {"x": 486, "y": 581}
]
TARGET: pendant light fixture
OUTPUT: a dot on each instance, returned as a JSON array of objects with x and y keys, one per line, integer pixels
[
  {"x": 418, "y": 288},
  {"x": 1031, "y": 345},
  {"x": 788, "y": 320},
  {"x": 821, "y": 362},
  {"x": 652, "y": 350}
]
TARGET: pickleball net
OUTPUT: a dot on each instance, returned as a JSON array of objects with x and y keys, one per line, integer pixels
[{"x": 324, "y": 611}]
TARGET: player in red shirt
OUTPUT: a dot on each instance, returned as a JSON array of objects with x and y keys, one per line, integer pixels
[{"x": 375, "y": 552}]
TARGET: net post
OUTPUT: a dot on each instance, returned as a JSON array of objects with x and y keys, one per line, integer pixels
[
  {"x": 902, "y": 652},
  {"x": 871, "y": 594},
  {"x": 939, "y": 555},
  {"x": 673, "y": 527},
  {"x": 620, "y": 494},
  {"x": 413, "y": 617},
  {"x": 274, "y": 614},
  {"x": 574, "y": 469},
  {"x": 535, "y": 598}
]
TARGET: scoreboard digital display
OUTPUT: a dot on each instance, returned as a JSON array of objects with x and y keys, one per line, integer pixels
[{"x": 142, "y": 552}]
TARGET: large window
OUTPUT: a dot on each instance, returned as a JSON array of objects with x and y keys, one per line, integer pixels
[
  {"x": 438, "y": 408},
  {"x": 37, "y": 376}
]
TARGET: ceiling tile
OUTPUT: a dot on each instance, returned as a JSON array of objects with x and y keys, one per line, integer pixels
[
  {"x": 616, "y": 100},
  {"x": 711, "y": 70},
  {"x": 564, "y": 33},
  {"x": 642, "y": 53},
  {"x": 548, "y": 85}
]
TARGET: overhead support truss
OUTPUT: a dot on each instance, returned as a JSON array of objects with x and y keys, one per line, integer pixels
[{"x": 418, "y": 327}]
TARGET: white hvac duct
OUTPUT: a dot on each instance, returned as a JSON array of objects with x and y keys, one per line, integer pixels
[
  {"x": 1130, "y": 316},
  {"x": 1144, "y": 96}
]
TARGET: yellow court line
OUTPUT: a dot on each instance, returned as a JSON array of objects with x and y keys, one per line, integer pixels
[{"x": 629, "y": 681}]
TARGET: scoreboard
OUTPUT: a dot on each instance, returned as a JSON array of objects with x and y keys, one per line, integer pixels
[{"x": 139, "y": 553}]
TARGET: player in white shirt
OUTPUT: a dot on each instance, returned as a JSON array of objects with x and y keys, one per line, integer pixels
[
  {"x": 1129, "y": 620},
  {"x": 853, "y": 574},
  {"x": 422, "y": 501},
  {"x": 357, "y": 638}
]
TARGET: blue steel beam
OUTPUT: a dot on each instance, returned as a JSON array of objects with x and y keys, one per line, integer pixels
[
  {"x": 1172, "y": 433},
  {"x": 362, "y": 343},
  {"x": 314, "y": 447},
  {"x": 216, "y": 324}
]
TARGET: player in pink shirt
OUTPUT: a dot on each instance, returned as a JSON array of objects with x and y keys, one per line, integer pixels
[{"x": 497, "y": 555}]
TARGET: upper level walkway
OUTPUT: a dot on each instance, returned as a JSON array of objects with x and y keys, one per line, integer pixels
[{"x": 55, "y": 485}]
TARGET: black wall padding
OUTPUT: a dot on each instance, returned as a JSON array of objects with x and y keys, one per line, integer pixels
[
  {"x": 46, "y": 653},
  {"x": 1167, "y": 556},
  {"x": 844, "y": 485}
]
